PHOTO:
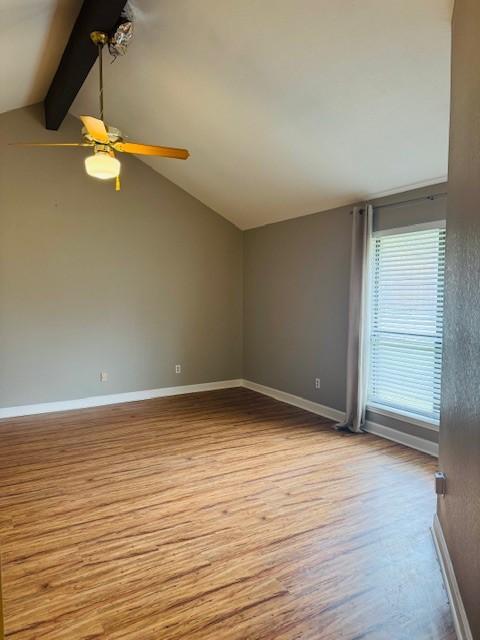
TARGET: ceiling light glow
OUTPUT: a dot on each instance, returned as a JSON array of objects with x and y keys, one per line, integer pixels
[{"x": 102, "y": 165}]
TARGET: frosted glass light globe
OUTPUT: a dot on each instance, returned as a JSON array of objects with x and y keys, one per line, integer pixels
[{"x": 102, "y": 165}]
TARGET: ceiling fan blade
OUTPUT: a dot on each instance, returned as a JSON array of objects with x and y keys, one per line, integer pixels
[
  {"x": 151, "y": 150},
  {"x": 49, "y": 144},
  {"x": 96, "y": 128}
]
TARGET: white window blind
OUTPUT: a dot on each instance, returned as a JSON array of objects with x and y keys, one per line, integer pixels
[{"x": 406, "y": 322}]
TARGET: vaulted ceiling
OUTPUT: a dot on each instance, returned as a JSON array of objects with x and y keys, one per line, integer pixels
[
  {"x": 288, "y": 106},
  {"x": 33, "y": 34}
]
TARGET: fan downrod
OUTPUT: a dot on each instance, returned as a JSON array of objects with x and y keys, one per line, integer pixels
[{"x": 100, "y": 39}]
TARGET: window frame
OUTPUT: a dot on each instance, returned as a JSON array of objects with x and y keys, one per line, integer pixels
[{"x": 375, "y": 407}]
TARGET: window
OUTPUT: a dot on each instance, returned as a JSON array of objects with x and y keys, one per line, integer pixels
[{"x": 406, "y": 321}]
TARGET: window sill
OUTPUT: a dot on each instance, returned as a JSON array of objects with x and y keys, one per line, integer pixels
[{"x": 404, "y": 416}]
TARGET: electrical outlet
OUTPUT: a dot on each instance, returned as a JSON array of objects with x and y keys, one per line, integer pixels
[
  {"x": 103, "y": 376},
  {"x": 178, "y": 368},
  {"x": 440, "y": 483},
  {"x": 317, "y": 383}
]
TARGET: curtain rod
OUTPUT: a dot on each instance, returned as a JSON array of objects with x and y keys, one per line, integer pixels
[{"x": 434, "y": 196}]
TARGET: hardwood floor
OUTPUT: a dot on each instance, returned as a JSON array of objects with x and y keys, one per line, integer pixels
[{"x": 222, "y": 515}]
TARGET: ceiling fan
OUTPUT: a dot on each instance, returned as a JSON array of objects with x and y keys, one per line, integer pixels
[{"x": 107, "y": 140}]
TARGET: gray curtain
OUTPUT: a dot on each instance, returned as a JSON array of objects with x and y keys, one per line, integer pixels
[{"x": 357, "y": 360}]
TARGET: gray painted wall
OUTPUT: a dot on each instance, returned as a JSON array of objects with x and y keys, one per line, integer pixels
[
  {"x": 92, "y": 280},
  {"x": 296, "y": 305},
  {"x": 394, "y": 212},
  {"x": 132, "y": 283},
  {"x": 459, "y": 511},
  {"x": 296, "y": 299}
]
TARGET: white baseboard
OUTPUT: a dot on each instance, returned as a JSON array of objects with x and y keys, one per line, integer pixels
[
  {"x": 460, "y": 619},
  {"x": 115, "y": 398},
  {"x": 421, "y": 444},
  {"x": 296, "y": 401},
  {"x": 133, "y": 396},
  {"x": 338, "y": 416}
]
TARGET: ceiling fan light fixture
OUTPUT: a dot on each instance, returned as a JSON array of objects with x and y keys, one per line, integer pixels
[
  {"x": 104, "y": 139},
  {"x": 102, "y": 165}
]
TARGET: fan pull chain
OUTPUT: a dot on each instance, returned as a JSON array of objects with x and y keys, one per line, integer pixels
[{"x": 117, "y": 184}]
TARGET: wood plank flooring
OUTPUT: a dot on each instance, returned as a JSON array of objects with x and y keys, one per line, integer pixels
[{"x": 221, "y": 515}]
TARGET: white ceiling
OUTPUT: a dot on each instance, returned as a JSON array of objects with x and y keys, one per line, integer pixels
[
  {"x": 287, "y": 106},
  {"x": 33, "y": 34}
]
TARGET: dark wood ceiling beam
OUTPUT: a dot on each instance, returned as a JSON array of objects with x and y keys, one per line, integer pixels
[{"x": 79, "y": 57}]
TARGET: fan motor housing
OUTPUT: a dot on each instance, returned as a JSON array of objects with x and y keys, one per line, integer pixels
[
  {"x": 114, "y": 135},
  {"x": 103, "y": 148}
]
